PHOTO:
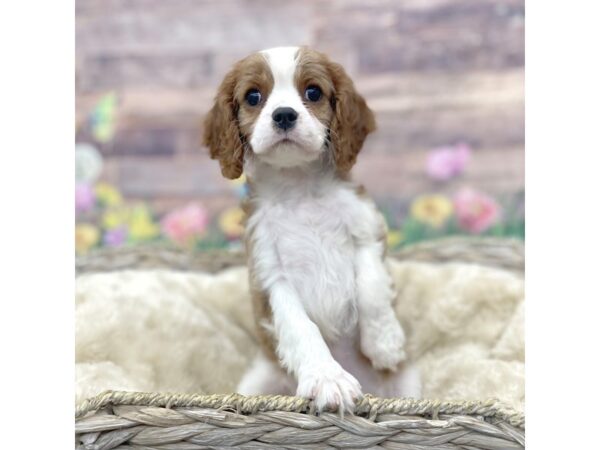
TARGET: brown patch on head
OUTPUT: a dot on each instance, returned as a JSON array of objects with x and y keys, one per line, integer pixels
[
  {"x": 342, "y": 108},
  {"x": 311, "y": 70},
  {"x": 228, "y": 125},
  {"x": 255, "y": 74}
]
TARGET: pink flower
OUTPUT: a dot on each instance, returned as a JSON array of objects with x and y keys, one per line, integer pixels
[
  {"x": 186, "y": 224},
  {"x": 475, "y": 211},
  {"x": 85, "y": 199},
  {"x": 444, "y": 163}
]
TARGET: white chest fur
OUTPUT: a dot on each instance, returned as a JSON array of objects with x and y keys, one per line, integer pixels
[
  {"x": 305, "y": 237},
  {"x": 316, "y": 255}
]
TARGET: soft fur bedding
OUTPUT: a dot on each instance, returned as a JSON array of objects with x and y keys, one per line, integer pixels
[{"x": 160, "y": 330}]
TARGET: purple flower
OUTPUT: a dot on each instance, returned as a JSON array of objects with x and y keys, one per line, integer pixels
[
  {"x": 115, "y": 237},
  {"x": 85, "y": 199},
  {"x": 444, "y": 163}
]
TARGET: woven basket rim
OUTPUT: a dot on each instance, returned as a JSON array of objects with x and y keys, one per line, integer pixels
[
  {"x": 368, "y": 406},
  {"x": 502, "y": 252}
]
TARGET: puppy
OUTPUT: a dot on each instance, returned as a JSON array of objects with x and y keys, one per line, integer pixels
[{"x": 293, "y": 122}]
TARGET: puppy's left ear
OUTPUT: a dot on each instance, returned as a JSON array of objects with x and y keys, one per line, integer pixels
[
  {"x": 352, "y": 120},
  {"x": 221, "y": 130}
]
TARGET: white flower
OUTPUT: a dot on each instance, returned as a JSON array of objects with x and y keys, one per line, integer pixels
[{"x": 88, "y": 163}]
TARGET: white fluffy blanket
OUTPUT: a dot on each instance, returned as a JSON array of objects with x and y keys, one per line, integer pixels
[{"x": 171, "y": 331}]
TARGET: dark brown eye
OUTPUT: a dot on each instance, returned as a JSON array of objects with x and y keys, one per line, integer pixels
[
  {"x": 313, "y": 93},
  {"x": 253, "y": 97}
]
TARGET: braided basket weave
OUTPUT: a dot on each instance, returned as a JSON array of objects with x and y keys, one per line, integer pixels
[{"x": 131, "y": 420}]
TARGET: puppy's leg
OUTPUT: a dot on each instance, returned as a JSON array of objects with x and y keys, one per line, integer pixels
[
  {"x": 381, "y": 336},
  {"x": 265, "y": 376},
  {"x": 304, "y": 353}
]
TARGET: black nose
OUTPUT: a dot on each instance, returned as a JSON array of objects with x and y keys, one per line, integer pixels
[{"x": 284, "y": 117}]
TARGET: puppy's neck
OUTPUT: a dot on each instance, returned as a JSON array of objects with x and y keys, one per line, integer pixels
[{"x": 311, "y": 179}]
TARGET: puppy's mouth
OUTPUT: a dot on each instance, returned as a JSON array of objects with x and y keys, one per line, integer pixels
[
  {"x": 286, "y": 139},
  {"x": 288, "y": 142}
]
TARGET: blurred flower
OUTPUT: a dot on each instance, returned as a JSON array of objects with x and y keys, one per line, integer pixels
[
  {"x": 433, "y": 210},
  {"x": 86, "y": 236},
  {"x": 394, "y": 238},
  {"x": 88, "y": 163},
  {"x": 141, "y": 225},
  {"x": 240, "y": 186},
  {"x": 445, "y": 163},
  {"x": 108, "y": 195},
  {"x": 115, "y": 237},
  {"x": 115, "y": 217},
  {"x": 85, "y": 199},
  {"x": 102, "y": 119},
  {"x": 475, "y": 211},
  {"x": 185, "y": 225},
  {"x": 231, "y": 222}
]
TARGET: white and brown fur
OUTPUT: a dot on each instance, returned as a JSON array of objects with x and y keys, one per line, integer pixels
[{"x": 323, "y": 298}]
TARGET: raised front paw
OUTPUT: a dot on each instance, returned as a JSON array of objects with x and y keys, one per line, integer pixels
[
  {"x": 383, "y": 344},
  {"x": 330, "y": 387}
]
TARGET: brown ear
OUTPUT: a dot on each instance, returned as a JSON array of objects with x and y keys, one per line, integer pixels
[
  {"x": 352, "y": 119},
  {"x": 221, "y": 131}
]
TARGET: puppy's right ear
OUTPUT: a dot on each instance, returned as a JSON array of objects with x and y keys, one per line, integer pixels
[{"x": 221, "y": 130}]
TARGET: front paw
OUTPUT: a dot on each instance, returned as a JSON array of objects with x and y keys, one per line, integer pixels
[
  {"x": 383, "y": 344},
  {"x": 330, "y": 387}
]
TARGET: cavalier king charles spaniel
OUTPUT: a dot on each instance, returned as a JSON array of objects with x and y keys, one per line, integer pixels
[{"x": 293, "y": 122}]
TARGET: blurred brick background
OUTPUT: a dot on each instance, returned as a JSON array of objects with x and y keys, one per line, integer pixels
[{"x": 434, "y": 71}]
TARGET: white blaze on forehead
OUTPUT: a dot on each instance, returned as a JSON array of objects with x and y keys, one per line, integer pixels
[{"x": 282, "y": 62}]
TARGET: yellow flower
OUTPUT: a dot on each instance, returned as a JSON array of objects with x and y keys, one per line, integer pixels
[
  {"x": 115, "y": 217},
  {"x": 394, "y": 237},
  {"x": 433, "y": 210},
  {"x": 141, "y": 225},
  {"x": 86, "y": 236},
  {"x": 108, "y": 195},
  {"x": 231, "y": 222}
]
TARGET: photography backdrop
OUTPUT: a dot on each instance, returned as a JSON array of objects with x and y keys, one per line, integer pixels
[{"x": 444, "y": 77}]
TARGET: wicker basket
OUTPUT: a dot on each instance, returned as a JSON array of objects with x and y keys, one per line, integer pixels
[{"x": 130, "y": 420}]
